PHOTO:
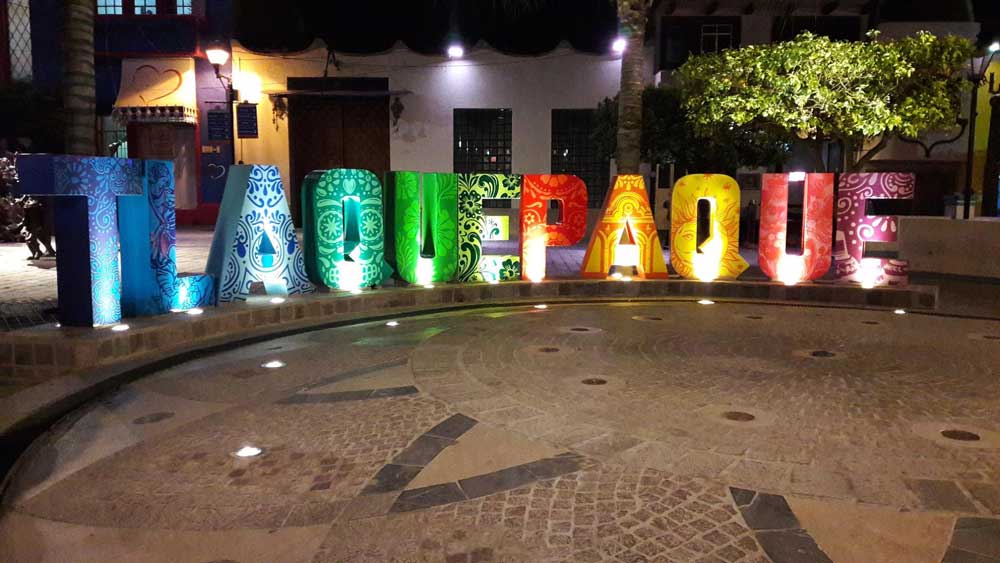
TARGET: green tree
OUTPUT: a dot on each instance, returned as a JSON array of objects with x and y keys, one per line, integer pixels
[
  {"x": 858, "y": 94},
  {"x": 79, "y": 97},
  {"x": 669, "y": 137}
]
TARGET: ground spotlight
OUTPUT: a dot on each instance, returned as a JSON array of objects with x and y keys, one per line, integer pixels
[{"x": 249, "y": 451}]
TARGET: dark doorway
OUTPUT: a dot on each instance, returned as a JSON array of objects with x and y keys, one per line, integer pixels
[{"x": 335, "y": 132}]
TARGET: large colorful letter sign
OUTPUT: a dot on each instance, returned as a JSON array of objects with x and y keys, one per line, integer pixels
[
  {"x": 817, "y": 229},
  {"x": 88, "y": 278},
  {"x": 719, "y": 255},
  {"x": 254, "y": 237},
  {"x": 150, "y": 284},
  {"x": 343, "y": 228},
  {"x": 425, "y": 226},
  {"x": 472, "y": 264},
  {"x": 626, "y": 212},
  {"x": 855, "y": 227},
  {"x": 537, "y": 190}
]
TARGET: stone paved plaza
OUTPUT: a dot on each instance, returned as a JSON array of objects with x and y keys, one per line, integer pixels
[{"x": 666, "y": 432}]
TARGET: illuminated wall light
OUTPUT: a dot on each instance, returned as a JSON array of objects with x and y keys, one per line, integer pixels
[
  {"x": 425, "y": 271},
  {"x": 797, "y": 177},
  {"x": 791, "y": 269},
  {"x": 120, "y": 327},
  {"x": 455, "y": 52},
  {"x": 870, "y": 272},
  {"x": 248, "y": 451},
  {"x": 273, "y": 364},
  {"x": 994, "y": 47},
  {"x": 619, "y": 45},
  {"x": 707, "y": 263},
  {"x": 533, "y": 258}
]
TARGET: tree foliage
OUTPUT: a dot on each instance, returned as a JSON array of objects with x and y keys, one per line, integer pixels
[
  {"x": 669, "y": 137},
  {"x": 820, "y": 89}
]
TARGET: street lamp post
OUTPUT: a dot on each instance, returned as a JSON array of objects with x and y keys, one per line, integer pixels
[
  {"x": 218, "y": 56},
  {"x": 977, "y": 76}
]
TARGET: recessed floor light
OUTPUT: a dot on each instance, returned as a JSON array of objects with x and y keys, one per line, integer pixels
[
  {"x": 249, "y": 451},
  {"x": 900, "y": 311},
  {"x": 541, "y": 306},
  {"x": 277, "y": 300},
  {"x": 494, "y": 282},
  {"x": 392, "y": 323},
  {"x": 120, "y": 327},
  {"x": 195, "y": 311},
  {"x": 627, "y": 279},
  {"x": 617, "y": 275},
  {"x": 706, "y": 302},
  {"x": 356, "y": 291},
  {"x": 429, "y": 286},
  {"x": 273, "y": 364}
]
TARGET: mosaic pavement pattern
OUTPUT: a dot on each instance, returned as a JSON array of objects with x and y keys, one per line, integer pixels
[{"x": 672, "y": 432}]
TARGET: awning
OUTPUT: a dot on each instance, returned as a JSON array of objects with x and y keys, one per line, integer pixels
[{"x": 158, "y": 90}]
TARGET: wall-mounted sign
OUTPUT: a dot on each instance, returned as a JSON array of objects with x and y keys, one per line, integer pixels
[
  {"x": 246, "y": 121},
  {"x": 219, "y": 126}
]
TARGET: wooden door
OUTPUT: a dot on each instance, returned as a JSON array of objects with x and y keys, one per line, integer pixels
[
  {"x": 169, "y": 141},
  {"x": 327, "y": 132}
]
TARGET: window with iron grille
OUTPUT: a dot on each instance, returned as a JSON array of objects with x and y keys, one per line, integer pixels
[
  {"x": 184, "y": 7},
  {"x": 145, "y": 7},
  {"x": 19, "y": 38},
  {"x": 716, "y": 37},
  {"x": 110, "y": 7},
  {"x": 573, "y": 151},
  {"x": 482, "y": 139}
]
